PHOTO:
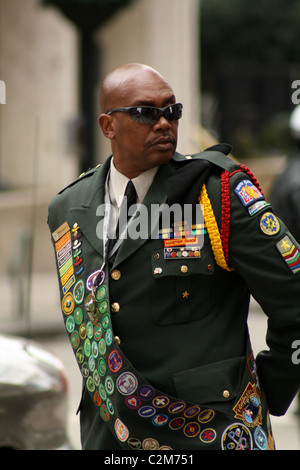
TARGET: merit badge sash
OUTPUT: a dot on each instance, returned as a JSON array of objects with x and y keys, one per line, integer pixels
[{"x": 138, "y": 415}]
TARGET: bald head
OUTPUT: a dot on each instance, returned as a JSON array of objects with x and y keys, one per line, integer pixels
[
  {"x": 116, "y": 85},
  {"x": 137, "y": 146}
]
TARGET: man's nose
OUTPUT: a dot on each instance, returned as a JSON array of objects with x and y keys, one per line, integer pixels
[{"x": 162, "y": 123}]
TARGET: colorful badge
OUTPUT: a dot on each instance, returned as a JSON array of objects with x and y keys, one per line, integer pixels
[
  {"x": 127, "y": 383},
  {"x": 181, "y": 242},
  {"x": 208, "y": 435},
  {"x": 147, "y": 411},
  {"x": 269, "y": 224},
  {"x": 290, "y": 253},
  {"x": 248, "y": 193},
  {"x": 146, "y": 392},
  {"x": 260, "y": 438},
  {"x": 177, "y": 423},
  {"x": 237, "y": 437},
  {"x": 161, "y": 401},
  {"x": 191, "y": 429},
  {"x": 248, "y": 408},
  {"x": 206, "y": 416},
  {"x": 121, "y": 430},
  {"x": 160, "y": 420},
  {"x": 60, "y": 231},
  {"x": 78, "y": 292},
  {"x": 257, "y": 207},
  {"x": 68, "y": 303},
  {"x": 177, "y": 407},
  {"x": 133, "y": 402},
  {"x": 115, "y": 361}
]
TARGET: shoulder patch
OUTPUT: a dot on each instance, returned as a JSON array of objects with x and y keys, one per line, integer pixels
[
  {"x": 248, "y": 193},
  {"x": 269, "y": 224},
  {"x": 290, "y": 253}
]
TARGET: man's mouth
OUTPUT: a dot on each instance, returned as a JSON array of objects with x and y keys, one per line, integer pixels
[{"x": 163, "y": 142}]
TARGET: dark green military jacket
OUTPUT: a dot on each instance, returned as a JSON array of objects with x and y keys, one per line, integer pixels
[{"x": 162, "y": 343}]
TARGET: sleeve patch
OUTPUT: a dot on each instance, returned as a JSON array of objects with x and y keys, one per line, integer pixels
[
  {"x": 290, "y": 253},
  {"x": 269, "y": 224},
  {"x": 257, "y": 207},
  {"x": 248, "y": 193}
]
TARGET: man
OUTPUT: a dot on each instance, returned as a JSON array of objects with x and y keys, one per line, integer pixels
[{"x": 158, "y": 323}]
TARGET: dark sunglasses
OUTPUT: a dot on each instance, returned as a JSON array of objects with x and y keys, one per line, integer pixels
[{"x": 149, "y": 114}]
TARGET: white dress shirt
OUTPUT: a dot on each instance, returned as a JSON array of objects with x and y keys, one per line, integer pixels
[{"x": 118, "y": 182}]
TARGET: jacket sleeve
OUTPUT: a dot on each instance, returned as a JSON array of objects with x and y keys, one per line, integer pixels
[{"x": 265, "y": 254}]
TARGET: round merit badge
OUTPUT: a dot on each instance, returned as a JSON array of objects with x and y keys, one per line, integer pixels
[
  {"x": 115, "y": 361},
  {"x": 237, "y": 437},
  {"x": 127, "y": 383},
  {"x": 78, "y": 291},
  {"x": 68, "y": 303}
]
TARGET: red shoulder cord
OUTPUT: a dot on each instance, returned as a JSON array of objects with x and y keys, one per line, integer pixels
[{"x": 225, "y": 201}]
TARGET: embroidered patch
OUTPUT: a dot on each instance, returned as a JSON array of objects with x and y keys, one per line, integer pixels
[
  {"x": 121, "y": 430},
  {"x": 290, "y": 253},
  {"x": 208, "y": 435},
  {"x": 257, "y": 207},
  {"x": 60, "y": 231},
  {"x": 237, "y": 437},
  {"x": 248, "y": 408},
  {"x": 269, "y": 224},
  {"x": 127, "y": 383},
  {"x": 260, "y": 438},
  {"x": 248, "y": 193}
]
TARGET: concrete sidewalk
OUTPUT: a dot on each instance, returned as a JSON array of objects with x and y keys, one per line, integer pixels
[{"x": 45, "y": 319}]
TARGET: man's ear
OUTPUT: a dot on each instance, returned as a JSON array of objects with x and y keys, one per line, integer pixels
[{"x": 106, "y": 124}]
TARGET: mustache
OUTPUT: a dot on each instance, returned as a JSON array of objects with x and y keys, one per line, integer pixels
[{"x": 163, "y": 138}]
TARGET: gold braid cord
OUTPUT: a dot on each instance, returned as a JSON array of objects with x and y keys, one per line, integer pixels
[{"x": 213, "y": 230}]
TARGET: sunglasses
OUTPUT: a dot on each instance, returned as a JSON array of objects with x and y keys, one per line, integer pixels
[{"x": 149, "y": 114}]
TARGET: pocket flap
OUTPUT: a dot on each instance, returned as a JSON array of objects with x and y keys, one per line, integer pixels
[{"x": 218, "y": 382}]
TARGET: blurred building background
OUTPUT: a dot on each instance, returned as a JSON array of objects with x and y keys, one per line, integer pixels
[{"x": 53, "y": 56}]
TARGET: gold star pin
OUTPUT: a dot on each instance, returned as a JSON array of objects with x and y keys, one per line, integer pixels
[{"x": 185, "y": 294}]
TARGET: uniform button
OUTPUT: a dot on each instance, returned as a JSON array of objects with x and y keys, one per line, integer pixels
[
  {"x": 117, "y": 339},
  {"x": 116, "y": 274},
  {"x": 184, "y": 269},
  {"x": 226, "y": 393},
  {"x": 115, "y": 307}
]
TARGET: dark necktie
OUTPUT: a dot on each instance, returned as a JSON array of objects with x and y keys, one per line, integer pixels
[
  {"x": 131, "y": 195},
  {"x": 130, "y": 198}
]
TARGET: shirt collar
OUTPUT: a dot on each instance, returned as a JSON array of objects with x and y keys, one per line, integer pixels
[{"x": 118, "y": 183}]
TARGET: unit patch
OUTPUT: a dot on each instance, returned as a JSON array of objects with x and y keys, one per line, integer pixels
[
  {"x": 237, "y": 437},
  {"x": 290, "y": 253},
  {"x": 248, "y": 193},
  {"x": 248, "y": 408},
  {"x": 269, "y": 224}
]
